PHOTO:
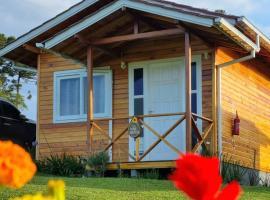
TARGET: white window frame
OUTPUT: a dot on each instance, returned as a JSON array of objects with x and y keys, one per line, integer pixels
[{"x": 80, "y": 73}]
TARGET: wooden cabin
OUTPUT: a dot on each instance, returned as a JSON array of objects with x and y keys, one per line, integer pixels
[{"x": 147, "y": 80}]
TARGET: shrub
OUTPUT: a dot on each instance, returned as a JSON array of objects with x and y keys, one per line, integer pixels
[
  {"x": 61, "y": 165},
  {"x": 149, "y": 174},
  {"x": 232, "y": 170},
  {"x": 253, "y": 178},
  {"x": 97, "y": 163}
]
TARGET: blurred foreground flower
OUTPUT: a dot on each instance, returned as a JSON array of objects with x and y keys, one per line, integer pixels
[
  {"x": 199, "y": 178},
  {"x": 16, "y": 165},
  {"x": 56, "y": 191}
]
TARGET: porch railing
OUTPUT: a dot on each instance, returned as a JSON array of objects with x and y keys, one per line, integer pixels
[{"x": 200, "y": 135}]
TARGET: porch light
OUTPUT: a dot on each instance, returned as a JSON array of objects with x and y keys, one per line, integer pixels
[{"x": 134, "y": 129}]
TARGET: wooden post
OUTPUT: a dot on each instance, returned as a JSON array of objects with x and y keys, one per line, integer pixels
[
  {"x": 214, "y": 103},
  {"x": 90, "y": 113},
  {"x": 137, "y": 148},
  {"x": 188, "y": 92},
  {"x": 38, "y": 110}
]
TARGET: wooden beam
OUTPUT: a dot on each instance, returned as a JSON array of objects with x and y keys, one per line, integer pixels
[
  {"x": 204, "y": 136},
  {"x": 87, "y": 43},
  {"x": 130, "y": 37},
  {"x": 188, "y": 92},
  {"x": 136, "y": 27},
  {"x": 107, "y": 135},
  {"x": 38, "y": 110},
  {"x": 90, "y": 113},
  {"x": 214, "y": 140},
  {"x": 162, "y": 137},
  {"x": 32, "y": 49}
]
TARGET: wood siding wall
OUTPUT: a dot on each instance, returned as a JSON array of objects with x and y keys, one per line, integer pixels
[
  {"x": 71, "y": 138},
  {"x": 246, "y": 88}
]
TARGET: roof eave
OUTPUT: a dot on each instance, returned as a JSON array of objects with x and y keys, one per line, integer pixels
[
  {"x": 46, "y": 26},
  {"x": 228, "y": 29},
  {"x": 117, "y": 5}
]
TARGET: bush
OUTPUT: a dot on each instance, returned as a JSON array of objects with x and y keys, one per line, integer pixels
[
  {"x": 149, "y": 174},
  {"x": 232, "y": 170},
  {"x": 253, "y": 178},
  {"x": 63, "y": 165},
  {"x": 97, "y": 163}
]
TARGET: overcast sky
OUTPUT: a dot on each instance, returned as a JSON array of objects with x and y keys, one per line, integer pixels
[{"x": 19, "y": 16}]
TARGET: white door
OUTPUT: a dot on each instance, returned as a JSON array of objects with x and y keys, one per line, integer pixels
[
  {"x": 165, "y": 87},
  {"x": 158, "y": 87}
]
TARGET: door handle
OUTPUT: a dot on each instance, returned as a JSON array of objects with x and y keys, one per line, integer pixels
[{"x": 150, "y": 111}]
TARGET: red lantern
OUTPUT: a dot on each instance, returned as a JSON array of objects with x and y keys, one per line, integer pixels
[{"x": 236, "y": 125}]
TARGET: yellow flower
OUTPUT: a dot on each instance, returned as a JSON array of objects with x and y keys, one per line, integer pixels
[
  {"x": 57, "y": 189},
  {"x": 16, "y": 165},
  {"x": 34, "y": 197}
]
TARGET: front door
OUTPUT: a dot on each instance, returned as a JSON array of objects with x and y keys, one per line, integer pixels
[
  {"x": 165, "y": 94},
  {"x": 158, "y": 87}
]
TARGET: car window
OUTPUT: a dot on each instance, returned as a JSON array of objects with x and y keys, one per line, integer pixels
[{"x": 9, "y": 111}]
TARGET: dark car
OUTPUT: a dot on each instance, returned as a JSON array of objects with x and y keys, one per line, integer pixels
[{"x": 16, "y": 127}]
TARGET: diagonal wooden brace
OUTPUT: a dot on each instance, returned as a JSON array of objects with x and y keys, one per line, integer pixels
[{"x": 163, "y": 136}]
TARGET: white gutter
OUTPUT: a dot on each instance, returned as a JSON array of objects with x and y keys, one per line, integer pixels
[{"x": 219, "y": 95}]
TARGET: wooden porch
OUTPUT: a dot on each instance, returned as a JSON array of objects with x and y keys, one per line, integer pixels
[
  {"x": 137, "y": 162},
  {"x": 187, "y": 117}
]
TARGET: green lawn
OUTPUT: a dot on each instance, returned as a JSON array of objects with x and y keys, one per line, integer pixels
[{"x": 120, "y": 189}]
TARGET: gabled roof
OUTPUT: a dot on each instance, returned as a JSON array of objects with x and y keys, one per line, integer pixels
[{"x": 89, "y": 12}]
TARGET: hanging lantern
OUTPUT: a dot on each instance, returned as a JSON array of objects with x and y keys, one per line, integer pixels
[{"x": 236, "y": 125}]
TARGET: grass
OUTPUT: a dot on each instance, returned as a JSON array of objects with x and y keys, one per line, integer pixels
[{"x": 119, "y": 189}]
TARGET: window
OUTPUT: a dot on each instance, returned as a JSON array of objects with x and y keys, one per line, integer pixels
[
  {"x": 194, "y": 97},
  {"x": 138, "y": 100},
  {"x": 70, "y": 95}
]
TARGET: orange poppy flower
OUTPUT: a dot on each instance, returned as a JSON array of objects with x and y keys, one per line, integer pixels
[
  {"x": 199, "y": 178},
  {"x": 16, "y": 165}
]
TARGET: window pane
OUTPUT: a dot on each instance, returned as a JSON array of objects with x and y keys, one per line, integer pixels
[
  {"x": 138, "y": 81},
  {"x": 194, "y": 76},
  {"x": 194, "y": 103},
  {"x": 70, "y": 96},
  {"x": 138, "y": 106},
  {"x": 85, "y": 97},
  {"x": 99, "y": 93}
]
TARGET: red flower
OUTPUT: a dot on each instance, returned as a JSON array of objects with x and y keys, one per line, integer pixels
[{"x": 199, "y": 178}]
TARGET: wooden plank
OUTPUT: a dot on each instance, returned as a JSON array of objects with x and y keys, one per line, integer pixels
[
  {"x": 204, "y": 136},
  {"x": 214, "y": 145},
  {"x": 117, "y": 138},
  {"x": 130, "y": 37},
  {"x": 188, "y": 92},
  {"x": 141, "y": 165},
  {"x": 137, "y": 148},
  {"x": 32, "y": 49},
  {"x": 163, "y": 139},
  {"x": 38, "y": 110},
  {"x": 111, "y": 140},
  {"x": 197, "y": 132},
  {"x": 163, "y": 136}
]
